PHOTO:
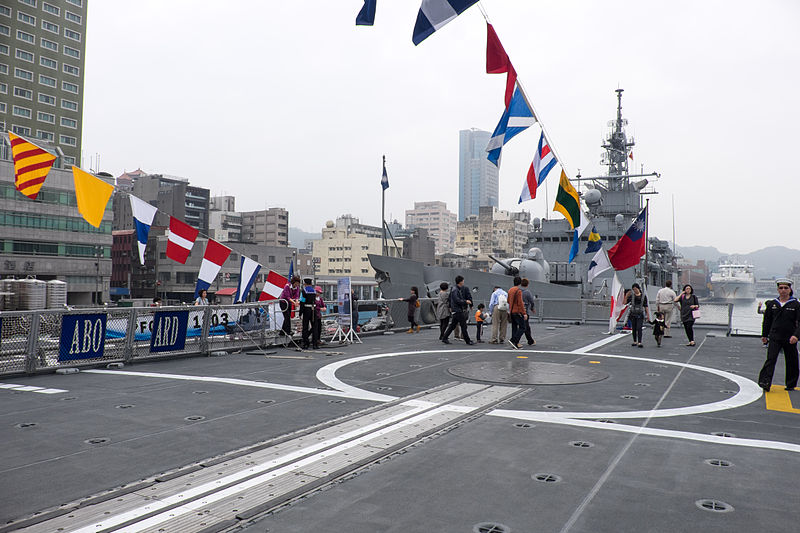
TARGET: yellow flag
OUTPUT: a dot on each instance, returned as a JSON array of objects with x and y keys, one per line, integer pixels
[
  {"x": 92, "y": 194},
  {"x": 31, "y": 165}
]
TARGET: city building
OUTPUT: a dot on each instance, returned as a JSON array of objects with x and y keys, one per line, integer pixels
[
  {"x": 437, "y": 220},
  {"x": 342, "y": 253},
  {"x": 495, "y": 232},
  {"x": 224, "y": 223},
  {"x": 478, "y": 183},
  {"x": 42, "y": 47},
  {"x": 49, "y": 239},
  {"x": 268, "y": 227},
  {"x": 420, "y": 247}
]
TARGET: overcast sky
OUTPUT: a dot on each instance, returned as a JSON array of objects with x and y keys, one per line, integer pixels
[{"x": 277, "y": 102}]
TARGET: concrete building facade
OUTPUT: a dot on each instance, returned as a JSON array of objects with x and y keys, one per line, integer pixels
[
  {"x": 495, "y": 232},
  {"x": 339, "y": 253},
  {"x": 478, "y": 178},
  {"x": 268, "y": 227},
  {"x": 439, "y": 222},
  {"x": 42, "y": 45}
]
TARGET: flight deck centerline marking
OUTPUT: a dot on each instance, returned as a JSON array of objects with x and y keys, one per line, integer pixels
[
  {"x": 778, "y": 399},
  {"x": 287, "y": 467}
]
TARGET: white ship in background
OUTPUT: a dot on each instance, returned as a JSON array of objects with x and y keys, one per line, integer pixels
[{"x": 734, "y": 281}]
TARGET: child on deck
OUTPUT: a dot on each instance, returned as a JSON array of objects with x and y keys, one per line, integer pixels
[
  {"x": 659, "y": 325},
  {"x": 480, "y": 317}
]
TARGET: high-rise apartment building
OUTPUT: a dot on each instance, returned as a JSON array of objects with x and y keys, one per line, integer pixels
[
  {"x": 478, "y": 183},
  {"x": 269, "y": 226},
  {"x": 42, "y": 46},
  {"x": 437, "y": 220}
]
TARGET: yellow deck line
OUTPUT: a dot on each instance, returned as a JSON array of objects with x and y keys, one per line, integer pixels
[{"x": 778, "y": 400}]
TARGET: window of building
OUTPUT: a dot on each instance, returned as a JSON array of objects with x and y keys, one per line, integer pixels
[
  {"x": 69, "y": 87},
  {"x": 49, "y": 26},
  {"x": 72, "y": 52},
  {"x": 72, "y": 17},
  {"x": 74, "y": 35},
  {"x": 69, "y": 123},
  {"x": 45, "y": 135},
  {"x": 78, "y": 3},
  {"x": 50, "y": 8},
  {"x": 47, "y": 80},
  {"x": 27, "y": 19},
  {"x": 5, "y": 11},
  {"x": 3, "y": 88},
  {"x": 50, "y": 45},
  {"x": 5, "y": 30},
  {"x": 31, "y": 3},
  {"x": 69, "y": 161},
  {"x": 3, "y": 110},
  {"x": 69, "y": 104},
  {"x": 23, "y": 112},
  {"x": 66, "y": 139},
  {"x": 50, "y": 118},
  {"x": 23, "y": 93},
  {"x": 24, "y": 55},
  {"x": 71, "y": 69},
  {"x": 4, "y": 49},
  {"x": 4, "y": 69},
  {"x": 49, "y": 63},
  {"x": 47, "y": 99},
  {"x": 20, "y": 130}
]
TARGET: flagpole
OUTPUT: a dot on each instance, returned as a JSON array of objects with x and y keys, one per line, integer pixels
[
  {"x": 646, "y": 233},
  {"x": 383, "y": 213}
]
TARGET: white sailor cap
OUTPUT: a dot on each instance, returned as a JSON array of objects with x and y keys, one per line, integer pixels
[{"x": 783, "y": 281}]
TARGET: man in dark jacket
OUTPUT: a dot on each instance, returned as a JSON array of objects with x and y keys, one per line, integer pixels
[
  {"x": 780, "y": 331},
  {"x": 460, "y": 302}
]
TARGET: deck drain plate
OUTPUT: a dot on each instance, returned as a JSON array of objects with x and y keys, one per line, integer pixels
[
  {"x": 527, "y": 373},
  {"x": 489, "y": 527}
]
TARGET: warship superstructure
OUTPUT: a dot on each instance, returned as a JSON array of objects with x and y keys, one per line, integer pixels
[{"x": 614, "y": 200}]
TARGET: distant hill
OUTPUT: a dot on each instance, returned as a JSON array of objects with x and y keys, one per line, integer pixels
[
  {"x": 297, "y": 237},
  {"x": 773, "y": 261}
]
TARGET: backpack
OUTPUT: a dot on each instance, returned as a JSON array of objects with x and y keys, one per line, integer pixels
[{"x": 502, "y": 302}]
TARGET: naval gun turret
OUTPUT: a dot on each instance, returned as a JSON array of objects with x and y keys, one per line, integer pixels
[{"x": 531, "y": 265}]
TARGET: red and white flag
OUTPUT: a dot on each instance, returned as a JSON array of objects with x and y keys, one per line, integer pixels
[
  {"x": 273, "y": 286},
  {"x": 180, "y": 241},
  {"x": 618, "y": 305}
]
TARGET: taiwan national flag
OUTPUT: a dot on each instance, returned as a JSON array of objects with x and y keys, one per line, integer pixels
[{"x": 631, "y": 247}]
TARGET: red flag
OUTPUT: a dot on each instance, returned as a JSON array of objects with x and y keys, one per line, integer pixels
[
  {"x": 273, "y": 286},
  {"x": 180, "y": 241},
  {"x": 497, "y": 61},
  {"x": 631, "y": 246},
  {"x": 631, "y": 155}
]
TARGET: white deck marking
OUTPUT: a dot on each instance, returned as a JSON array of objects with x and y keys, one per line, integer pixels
[{"x": 30, "y": 388}]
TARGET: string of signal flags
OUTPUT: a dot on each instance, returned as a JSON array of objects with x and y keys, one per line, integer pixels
[
  {"x": 32, "y": 163},
  {"x": 518, "y": 115}
]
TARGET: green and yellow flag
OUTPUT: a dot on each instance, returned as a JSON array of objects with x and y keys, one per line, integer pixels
[
  {"x": 92, "y": 194},
  {"x": 568, "y": 202}
]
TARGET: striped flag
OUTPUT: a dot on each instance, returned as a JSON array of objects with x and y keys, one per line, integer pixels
[
  {"x": 143, "y": 214},
  {"x": 31, "y": 165},
  {"x": 213, "y": 259},
  {"x": 568, "y": 202},
  {"x": 543, "y": 163},
  {"x": 181, "y": 240},
  {"x": 516, "y": 118},
  {"x": 433, "y": 14},
  {"x": 618, "y": 306},
  {"x": 247, "y": 275},
  {"x": 273, "y": 286}
]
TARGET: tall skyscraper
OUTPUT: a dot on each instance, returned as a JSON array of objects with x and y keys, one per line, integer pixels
[
  {"x": 478, "y": 183},
  {"x": 42, "y": 46}
]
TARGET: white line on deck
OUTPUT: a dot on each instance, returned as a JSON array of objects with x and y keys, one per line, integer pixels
[{"x": 30, "y": 388}]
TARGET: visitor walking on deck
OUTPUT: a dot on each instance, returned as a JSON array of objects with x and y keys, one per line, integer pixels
[
  {"x": 413, "y": 303},
  {"x": 527, "y": 297},
  {"x": 639, "y": 310},
  {"x": 780, "y": 331},
  {"x": 690, "y": 309},
  {"x": 460, "y": 301},
  {"x": 665, "y": 303},
  {"x": 516, "y": 309},
  {"x": 498, "y": 310},
  {"x": 443, "y": 308}
]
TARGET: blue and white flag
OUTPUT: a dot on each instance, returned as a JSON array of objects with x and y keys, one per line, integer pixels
[
  {"x": 143, "y": 214},
  {"x": 595, "y": 242},
  {"x": 517, "y": 118},
  {"x": 366, "y": 17},
  {"x": 433, "y": 14},
  {"x": 247, "y": 275},
  {"x": 599, "y": 264},
  {"x": 384, "y": 177}
]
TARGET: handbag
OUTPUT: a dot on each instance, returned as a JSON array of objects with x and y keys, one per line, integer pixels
[{"x": 695, "y": 313}]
